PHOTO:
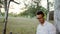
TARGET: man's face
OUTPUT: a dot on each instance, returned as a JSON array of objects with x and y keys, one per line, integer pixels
[{"x": 40, "y": 18}]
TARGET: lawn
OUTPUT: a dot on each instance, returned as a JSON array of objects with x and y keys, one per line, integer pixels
[{"x": 19, "y": 25}]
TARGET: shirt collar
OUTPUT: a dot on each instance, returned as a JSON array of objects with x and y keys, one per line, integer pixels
[{"x": 44, "y": 23}]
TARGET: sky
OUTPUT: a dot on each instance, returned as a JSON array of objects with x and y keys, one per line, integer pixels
[
  {"x": 17, "y": 8},
  {"x": 44, "y": 4}
]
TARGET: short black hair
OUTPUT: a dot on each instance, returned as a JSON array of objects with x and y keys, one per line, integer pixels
[{"x": 40, "y": 12}]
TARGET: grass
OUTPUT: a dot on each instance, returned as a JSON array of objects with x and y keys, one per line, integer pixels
[
  {"x": 20, "y": 25},
  {"x": 1, "y": 25}
]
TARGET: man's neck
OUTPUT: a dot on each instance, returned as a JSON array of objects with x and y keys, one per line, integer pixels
[{"x": 43, "y": 23}]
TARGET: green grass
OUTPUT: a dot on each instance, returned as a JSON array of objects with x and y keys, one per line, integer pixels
[
  {"x": 1, "y": 25},
  {"x": 20, "y": 25}
]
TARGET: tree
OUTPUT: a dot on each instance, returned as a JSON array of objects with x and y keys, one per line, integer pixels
[
  {"x": 49, "y": 6},
  {"x": 7, "y": 3},
  {"x": 57, "y": 15},
  {"x": 1, "y": 3},
  {"x": 31, "y": 10}
]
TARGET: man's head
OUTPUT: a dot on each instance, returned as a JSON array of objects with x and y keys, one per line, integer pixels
[{"x": 40, "y": 16}]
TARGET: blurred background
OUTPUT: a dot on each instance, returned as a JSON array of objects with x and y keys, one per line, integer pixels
[{"x": 21, "y": 15}]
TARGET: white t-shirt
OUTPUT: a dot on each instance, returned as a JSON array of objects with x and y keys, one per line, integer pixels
[{"x": 46, "y": 28}]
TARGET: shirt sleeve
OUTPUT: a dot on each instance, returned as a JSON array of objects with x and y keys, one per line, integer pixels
[{"x": 52, "y": 30}]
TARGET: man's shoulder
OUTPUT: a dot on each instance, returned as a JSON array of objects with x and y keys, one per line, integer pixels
[
  {"x": 39, "y": 25},
  {"x": 50, "y": 24}
]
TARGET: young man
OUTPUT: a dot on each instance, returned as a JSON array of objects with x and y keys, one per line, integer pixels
[{"x": 44, "y": 27}]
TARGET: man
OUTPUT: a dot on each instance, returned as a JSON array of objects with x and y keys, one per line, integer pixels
[{"x": 44, "y": 27}]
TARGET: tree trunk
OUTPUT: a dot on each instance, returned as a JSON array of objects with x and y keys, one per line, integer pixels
[
  {"x": 48, "y": 10},
  {"x": 57, "y": 15},
  {"x": 6, "y": 16}
]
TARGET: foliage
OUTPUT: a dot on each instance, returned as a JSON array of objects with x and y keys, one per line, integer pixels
[
  {"x": 31, "y": 11},
  {"x": 1, "y": 2}
]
